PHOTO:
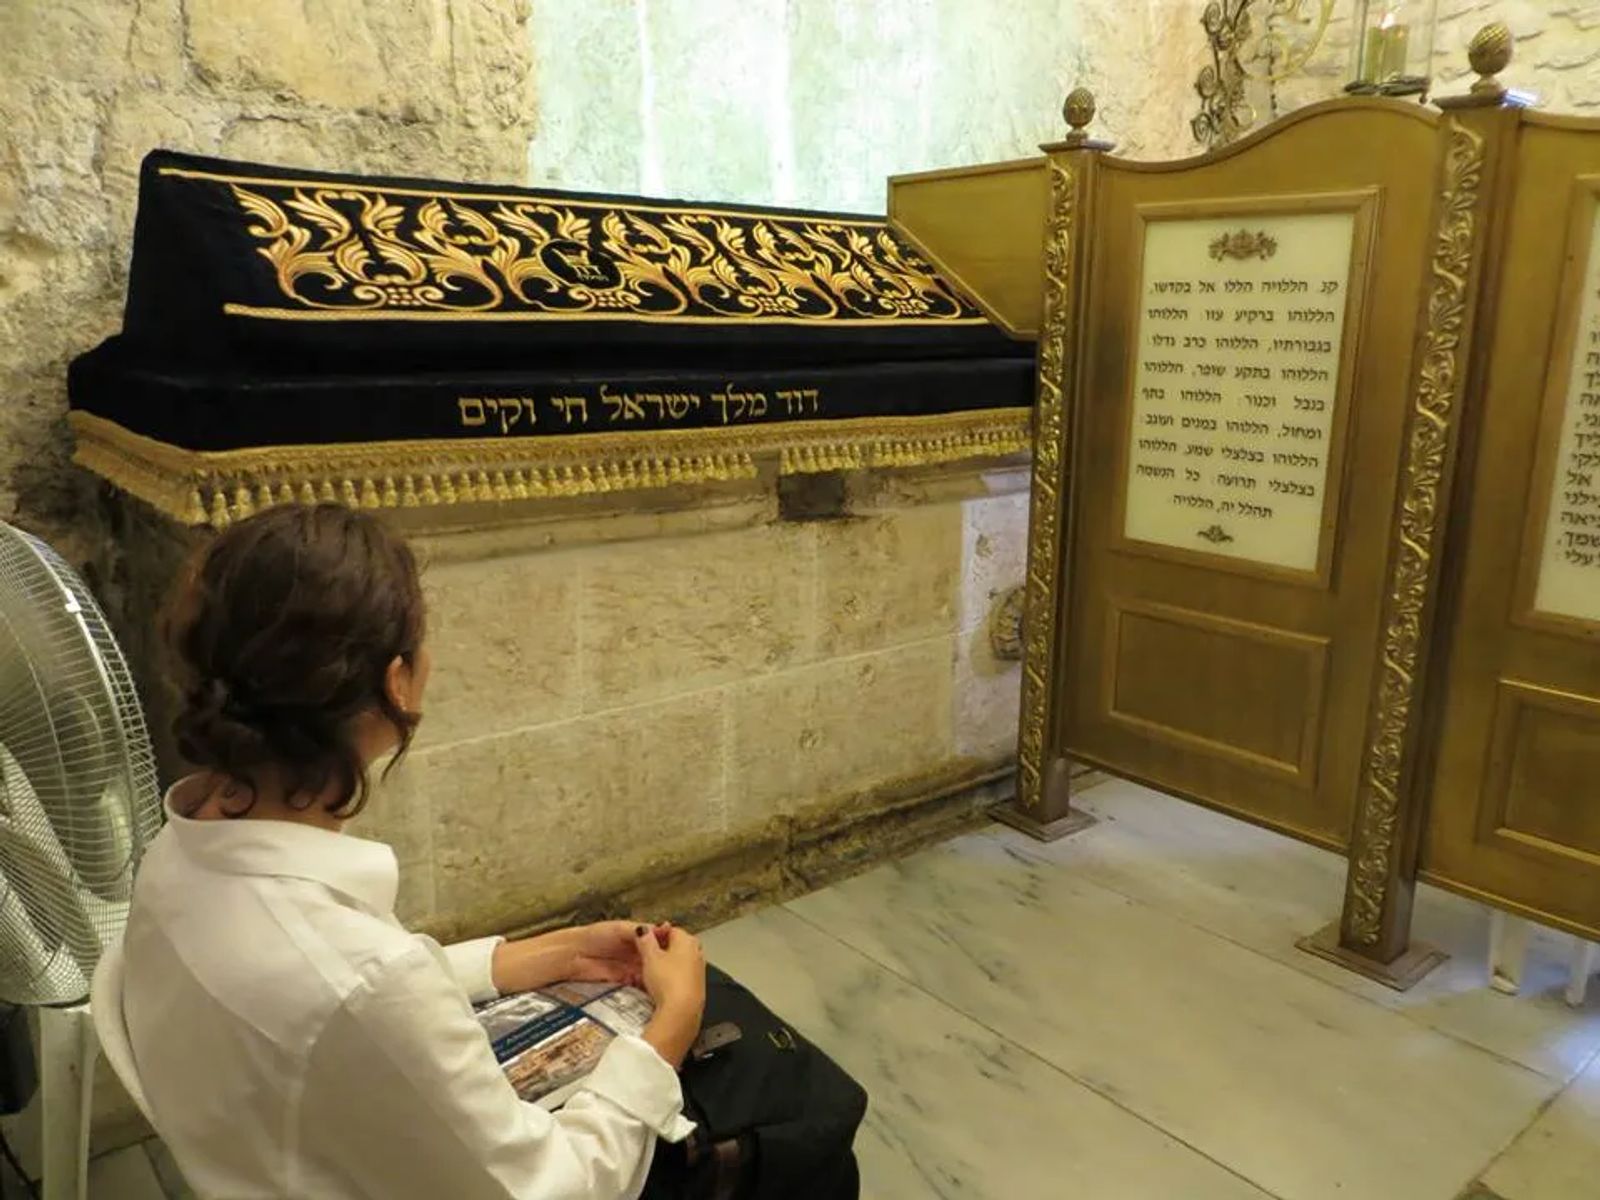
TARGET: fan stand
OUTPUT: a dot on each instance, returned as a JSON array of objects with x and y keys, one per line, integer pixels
[
  {"x": 68, "y": 1048},
  {"x": 78, "y": 793}
]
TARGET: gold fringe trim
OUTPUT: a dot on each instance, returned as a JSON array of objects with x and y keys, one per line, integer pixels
[{"x": 218, "y": 487}]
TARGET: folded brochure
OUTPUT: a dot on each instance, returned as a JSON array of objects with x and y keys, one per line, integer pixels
[{"x": 548, "y": 1041}]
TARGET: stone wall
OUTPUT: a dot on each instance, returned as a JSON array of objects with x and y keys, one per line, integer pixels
[
  {"x": 676, "y": 701},
  {"x": 432, "y": 87},
  {"x": 463, "y": 88},
  {"x": 675, "y": 704},
  {"x": 1557, "y": 54},
  {"x": 679, "y": 704}
]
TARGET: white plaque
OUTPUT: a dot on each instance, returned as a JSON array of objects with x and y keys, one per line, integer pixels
[
  {"x": 1569, "y": 568},
  {"x": 1241, "y": 332}
]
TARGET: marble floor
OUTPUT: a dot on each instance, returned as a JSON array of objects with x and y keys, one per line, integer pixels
[{"x": 1124, "y": 1015}]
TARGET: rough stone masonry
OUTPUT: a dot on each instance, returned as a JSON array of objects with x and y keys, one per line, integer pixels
[{"x": 436, "y": 87}]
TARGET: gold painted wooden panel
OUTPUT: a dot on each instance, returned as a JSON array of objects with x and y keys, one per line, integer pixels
[
  {"x": 1263, "y": 686},
  {"x": 1513, "y": 756},
  {"x": 1380, "y": 160},
  {"x": 1540, "y": 788},
  {"x": 983, "y": 228}
]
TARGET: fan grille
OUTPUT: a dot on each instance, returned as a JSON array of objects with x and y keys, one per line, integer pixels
[{"x": 78, "y": 793}]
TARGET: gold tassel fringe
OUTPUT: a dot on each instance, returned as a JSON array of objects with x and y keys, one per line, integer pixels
[{"x": 217, "y": 487}]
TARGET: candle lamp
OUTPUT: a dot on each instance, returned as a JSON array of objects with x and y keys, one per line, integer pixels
[{"x": 1392, "y": 50}]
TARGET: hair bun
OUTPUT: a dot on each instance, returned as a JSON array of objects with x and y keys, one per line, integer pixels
[
  {"x": 214, "y": 728},
  {"x": 308, "y": 606}
]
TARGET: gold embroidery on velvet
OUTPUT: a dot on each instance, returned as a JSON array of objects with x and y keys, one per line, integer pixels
[
  {"x": 342, "y": 251},
  {"x": 615, "y": 406}
]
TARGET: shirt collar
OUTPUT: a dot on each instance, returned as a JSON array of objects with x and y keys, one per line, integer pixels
[{"x": 363, "y": 870}]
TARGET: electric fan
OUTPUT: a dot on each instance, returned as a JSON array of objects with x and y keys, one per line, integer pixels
[
  {"x": 78, "y": 795},
  {"x": 78, "y": 804}
]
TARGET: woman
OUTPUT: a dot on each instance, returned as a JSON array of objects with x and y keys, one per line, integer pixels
[{"x": 291, "y": 1038}]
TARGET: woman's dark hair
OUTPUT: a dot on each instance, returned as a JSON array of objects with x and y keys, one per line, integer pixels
[{"x": 283, "y": 632}]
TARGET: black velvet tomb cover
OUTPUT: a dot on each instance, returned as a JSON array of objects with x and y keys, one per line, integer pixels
[{"x": 273, "y": 306}]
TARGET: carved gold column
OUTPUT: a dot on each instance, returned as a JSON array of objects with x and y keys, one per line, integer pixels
[
  {"x": 1042, "y": 808},
  {"x": 1373, "y": 935}
]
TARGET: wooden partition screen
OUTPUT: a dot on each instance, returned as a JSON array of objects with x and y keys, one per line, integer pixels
[
  {"x": 1262, "y": 356},
  {"x": 1240, "y": 404},
  {"x": 1315, "y": 530},
  {"x": 1513, "y": 754}
]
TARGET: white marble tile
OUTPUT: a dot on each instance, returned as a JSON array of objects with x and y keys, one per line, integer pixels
[
  {"x": 955, "y": 1110},
  {"x": 124, "y": 1174},
  {"x": 1558, "y": 1158},
  {"x": 1303, "y": 1088},
  {"x": 1265, "y": 891}
]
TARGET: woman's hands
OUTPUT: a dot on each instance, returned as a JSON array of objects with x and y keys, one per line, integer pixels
[
  {"x": 605, "y": 952},
  {"x": 667, "y": 962},
  {"x": 675, "y": 976}
]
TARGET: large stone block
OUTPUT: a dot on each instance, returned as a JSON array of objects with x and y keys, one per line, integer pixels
[
  {"x": 388, "y": 56},
  {"x": 504, "y": 637},
  {"x": 82, "y": 40},
  {"x": 321, "y": 139},
  {"x": 818, "y": 735},
  {"x": 132, "y": 572},
  {"x": 994, "y": 554},
  {"x": 681, "y": 614},
  {"x": 888, "y": 578},
  {"x": 440, "y": 87},
  {"x": 138, "y": 120},
  {"x": 523, "y": 821},
  {"x": 468, "y": 532},
  {"x": 988, "y": 699},
  {"x": 491, "y": 68},
  {"x": 52, "y": 128}
]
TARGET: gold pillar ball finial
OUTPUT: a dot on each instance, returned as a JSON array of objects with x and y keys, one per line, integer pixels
[
  {"x": 1079, "y": 109},
  {"x": 1490, "y": 49}
]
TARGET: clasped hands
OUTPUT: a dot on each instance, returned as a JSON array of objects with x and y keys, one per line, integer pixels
[
  {"x": 605, "y": 952},
  {"x": 664, "y": 960}
]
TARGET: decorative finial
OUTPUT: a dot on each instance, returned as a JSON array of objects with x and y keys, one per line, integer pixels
[
  {"x": 1079, "y": 111},
  {"x": 1490, "y": 53}
]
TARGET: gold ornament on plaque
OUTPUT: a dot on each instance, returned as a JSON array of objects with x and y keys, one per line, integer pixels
[
  {"x": 1244, "y": 246},
  {"x": 1261, "y": 40}
]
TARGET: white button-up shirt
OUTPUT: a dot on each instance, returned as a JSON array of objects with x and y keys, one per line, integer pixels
[{"x": 292, "y": 1039}]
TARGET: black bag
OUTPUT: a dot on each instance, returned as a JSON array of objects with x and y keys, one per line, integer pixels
[{"x": 773, "y": 1111}]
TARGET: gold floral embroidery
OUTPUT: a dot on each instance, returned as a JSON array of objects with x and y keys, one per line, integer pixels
[{"x": 339, "y": 250}]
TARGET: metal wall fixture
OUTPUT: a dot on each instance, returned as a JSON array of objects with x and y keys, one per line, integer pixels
[{"x": 1252, "y": 40}]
